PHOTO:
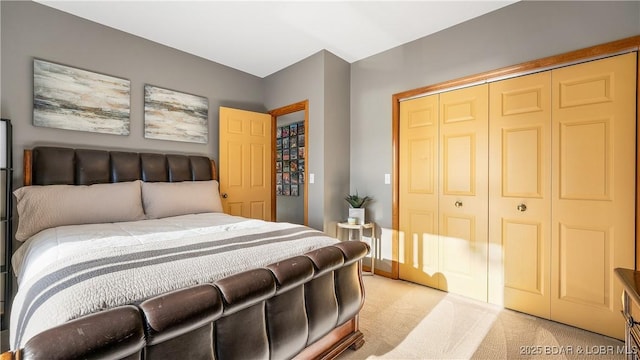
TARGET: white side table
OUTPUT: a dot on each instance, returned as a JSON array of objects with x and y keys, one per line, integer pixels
[{"x": 360, "y": 230}]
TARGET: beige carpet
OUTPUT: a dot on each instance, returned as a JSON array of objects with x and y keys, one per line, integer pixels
[{"x": 401, "y": 320}]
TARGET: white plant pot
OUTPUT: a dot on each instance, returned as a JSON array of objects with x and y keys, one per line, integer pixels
[{"x": 358, "y": 214}]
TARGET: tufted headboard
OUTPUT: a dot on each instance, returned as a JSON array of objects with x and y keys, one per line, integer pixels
[{"x": 56, "y": 166}]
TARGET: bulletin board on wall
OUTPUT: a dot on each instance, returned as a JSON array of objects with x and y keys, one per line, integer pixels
[{"x": 290, "y": 161}]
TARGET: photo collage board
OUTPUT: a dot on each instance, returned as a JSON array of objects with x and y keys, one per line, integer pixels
[{"x": 290, "y": 159}]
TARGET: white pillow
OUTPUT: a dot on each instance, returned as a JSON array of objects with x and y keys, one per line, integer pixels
[
  {"x": 161, "y": 199},
  {"x": 43, "y": 207}
]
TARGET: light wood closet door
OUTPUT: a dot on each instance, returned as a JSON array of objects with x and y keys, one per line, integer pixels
[
  {"x": 444, "y": 191},
  {"x": 463, "y": 208},
  {"x": 594, "y": 132},
  {"x": 520, "y": 193},
  {"x": 418, "y": 195}
]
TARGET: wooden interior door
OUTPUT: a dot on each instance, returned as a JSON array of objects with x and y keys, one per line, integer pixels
[
  {"x": 593, "y": 203},
  {"x": 246, "y": 163},
  {"x": 418, "y": 194},
  {"x": 463, "y": 203},
  {"x": 520, "y": 193}
]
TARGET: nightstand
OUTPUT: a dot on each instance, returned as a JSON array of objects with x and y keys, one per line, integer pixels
[{"x": 360, "y": 228}]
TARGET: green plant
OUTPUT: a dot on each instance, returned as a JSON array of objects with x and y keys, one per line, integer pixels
[{"x": 356, "y": 201}]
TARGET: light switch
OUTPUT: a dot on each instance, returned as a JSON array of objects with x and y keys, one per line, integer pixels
[
  {"x": 312, "y": 178},
  {"x": 387, "y": 178}
]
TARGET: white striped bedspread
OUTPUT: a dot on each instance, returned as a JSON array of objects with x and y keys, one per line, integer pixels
[{"x": 70, "y": 271}]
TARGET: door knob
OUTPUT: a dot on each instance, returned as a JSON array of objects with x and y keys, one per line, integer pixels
[
  {"x": 224, "y": 195},
  {"x": 522, "y": 207},
  {"x": 458, "y": 204}
]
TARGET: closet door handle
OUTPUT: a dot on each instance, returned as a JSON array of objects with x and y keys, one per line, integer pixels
[
  {"x": 522, "y": 207},
  {"x": 224, "y": 195},
  {"x": 458, "y": 204}
]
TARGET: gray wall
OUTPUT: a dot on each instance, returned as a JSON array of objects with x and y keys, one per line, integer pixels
[
  {"x": 517, "y": 33},
  {"x": 337, "y": 135},
  {"x": 349, "y": 105},
  {"x": 323, "y": 79},
  {"x": 31, "y": 30},
  {"x": 298, "y": 82}
]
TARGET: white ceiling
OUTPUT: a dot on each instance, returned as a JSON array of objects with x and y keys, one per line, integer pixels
[{"x": 262, "y": 37}]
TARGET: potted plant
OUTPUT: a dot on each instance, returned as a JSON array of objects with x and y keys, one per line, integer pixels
[{"x": 356, "y": 207}]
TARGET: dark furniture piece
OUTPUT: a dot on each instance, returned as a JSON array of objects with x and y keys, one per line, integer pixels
[
  {"x": 6, "y": 174},
  {"x": 631, "y": 310}
]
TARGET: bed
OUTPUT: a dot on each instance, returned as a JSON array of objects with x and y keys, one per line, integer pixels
[{"x": 129, "y": 256}]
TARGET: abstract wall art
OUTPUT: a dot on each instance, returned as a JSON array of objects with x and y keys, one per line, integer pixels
[
  {"x": 173, "y": 115},
  {"x": 73, "y": 99}
]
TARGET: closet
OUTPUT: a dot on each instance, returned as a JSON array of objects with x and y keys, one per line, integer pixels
[{"x": 525, "y": 186}]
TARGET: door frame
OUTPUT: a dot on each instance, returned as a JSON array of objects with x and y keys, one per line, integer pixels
[
  {"x": 289, "y": 109},
  {"x": 591, "y": 53}
]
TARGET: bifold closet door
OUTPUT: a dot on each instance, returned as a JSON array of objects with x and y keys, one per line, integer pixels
[
  {"x": 548, "y": 182},
  {"x": 443, "y": 191},
  {"x": 593, "y": 199},
  {"x": 520, "y": 193},
  {"x": 463, "y": 208},
  {"x": 418, "y": 191}
]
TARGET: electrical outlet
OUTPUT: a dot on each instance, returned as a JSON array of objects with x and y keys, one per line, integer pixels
[{"x": 312, "y": 178}]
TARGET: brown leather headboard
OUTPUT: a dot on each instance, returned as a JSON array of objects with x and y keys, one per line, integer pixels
[{"x": 56, "y": 165}]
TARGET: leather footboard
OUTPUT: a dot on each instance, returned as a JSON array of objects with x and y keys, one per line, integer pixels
[{"x": 303, "y": 305}]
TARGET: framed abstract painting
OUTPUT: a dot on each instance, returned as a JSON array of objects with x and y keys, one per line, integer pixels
[
  {"x": 173, "y": 115},
  {"x": 68, "y": 98}
]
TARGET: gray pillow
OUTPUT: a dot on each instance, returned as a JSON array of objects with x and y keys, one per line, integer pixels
[
  {"x": 43, "y": 207},
  {"x": 180, "y": 198}
]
